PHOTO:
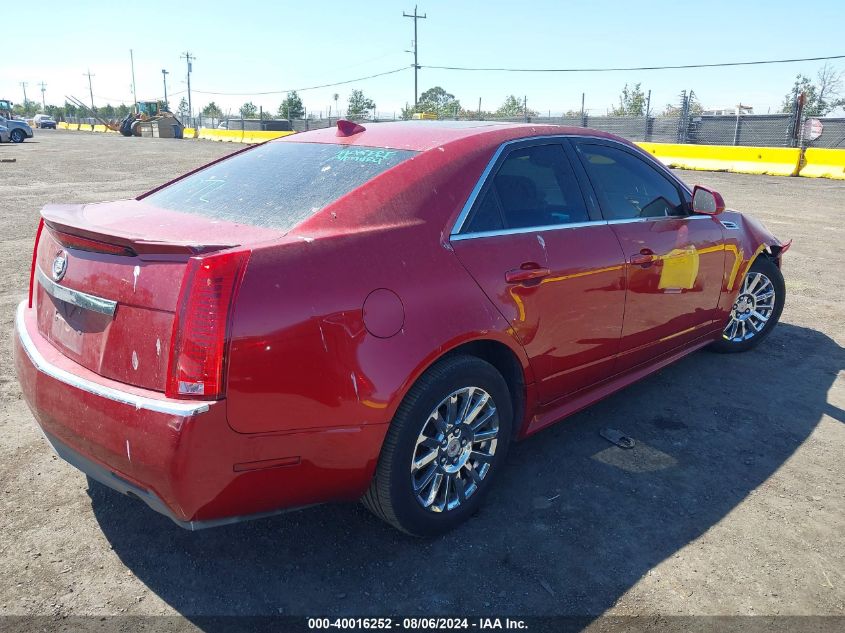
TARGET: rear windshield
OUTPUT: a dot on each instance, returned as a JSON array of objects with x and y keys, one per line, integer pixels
[{"x": 277, "y": 185}]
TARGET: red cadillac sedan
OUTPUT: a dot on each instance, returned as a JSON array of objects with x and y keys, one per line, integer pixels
[{"x": 373, "y": 314}]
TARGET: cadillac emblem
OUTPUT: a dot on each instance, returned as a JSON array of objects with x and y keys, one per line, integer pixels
[{"x": 59, "y": 266}]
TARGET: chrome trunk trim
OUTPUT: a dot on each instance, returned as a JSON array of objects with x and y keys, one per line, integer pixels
[{"x": 75, "y": 297}]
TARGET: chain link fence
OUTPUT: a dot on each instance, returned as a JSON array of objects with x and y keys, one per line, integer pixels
[{"x": 756, "y": 130}]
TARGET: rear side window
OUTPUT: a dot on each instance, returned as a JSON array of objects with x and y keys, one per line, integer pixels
[
  {"x": 534, "y": 187},
  {"x": 628, "y": 187},
  {"x": 277, "y": 185}
]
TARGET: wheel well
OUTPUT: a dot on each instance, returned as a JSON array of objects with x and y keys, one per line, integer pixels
[
  {"x": 772, "y": 252},
  {"x": 505, "y": 361}
]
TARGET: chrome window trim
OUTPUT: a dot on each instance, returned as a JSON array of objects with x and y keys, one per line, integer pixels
[
  {"x": 76, "y": 297},
  {"x": 462, "y": 216},
  {"x": 658, "y": 218},
  {"x": 527, "y": 229},
  {"x": 456, "y": 235},
  {"x": 138, "y": 402}
]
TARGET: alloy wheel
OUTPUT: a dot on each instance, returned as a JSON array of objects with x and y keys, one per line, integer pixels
[
  {"x": 455, "y": 449},
  {"x": 752, "y": 309}
]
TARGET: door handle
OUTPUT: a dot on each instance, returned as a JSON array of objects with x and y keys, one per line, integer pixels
[
  {"x": 643, "y": 258},
  {"x": 527, "y": 272}
]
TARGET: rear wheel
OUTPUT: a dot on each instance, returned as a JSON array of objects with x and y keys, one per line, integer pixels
[
  {"x": 756, "y": 310},
  {"x": 446, "y": 442},
  {"x": 17, "y": 135}
]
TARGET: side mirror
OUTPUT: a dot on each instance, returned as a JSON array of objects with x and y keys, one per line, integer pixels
[{"x": 707, "y": 201}]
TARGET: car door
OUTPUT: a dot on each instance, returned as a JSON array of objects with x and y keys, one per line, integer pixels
[
  {"x": 675, "y": 260},
  {"x": 540, "y": 251}
]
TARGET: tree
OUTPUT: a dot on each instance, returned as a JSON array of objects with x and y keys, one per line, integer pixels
[
  {"x": 182, "y": 110},
  {"x": 27, "y": 109},
  {"x": 122, "y": 111},
  {"x": 212, "y": 111},
  {"x": 358, "y": 104},
  {"x": 407, "y": 112},
  {"x": 514, "y": 107},
  {"x": 822, "y": 96},
  {"x": 291, "y": 107},
  {"x": 248, "y": 110},
  {"x": 436, "y": 101},
  {"x": 695, "y": 108},
  {"x": 336, "y": 96},
  {"x": 631, "y": 102},
  {"x": 475, "y": 115}
]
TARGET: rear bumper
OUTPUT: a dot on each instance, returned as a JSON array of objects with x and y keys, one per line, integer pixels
[{"x": 181, "y": 457}]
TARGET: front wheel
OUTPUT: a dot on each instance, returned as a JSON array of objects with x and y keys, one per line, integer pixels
[
  {"x": 17, "y": 136},
  {"x": 756, "y": 310},
  {"x": 449, "y": 437}
]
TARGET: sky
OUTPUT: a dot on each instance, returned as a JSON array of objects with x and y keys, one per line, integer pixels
[{"x": 278, "y": 46}]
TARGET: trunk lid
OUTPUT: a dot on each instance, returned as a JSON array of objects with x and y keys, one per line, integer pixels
[{"x": 110, "y": 306}]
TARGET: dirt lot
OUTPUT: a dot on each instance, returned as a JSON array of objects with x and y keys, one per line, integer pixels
[{"x": 731, "y": 503}]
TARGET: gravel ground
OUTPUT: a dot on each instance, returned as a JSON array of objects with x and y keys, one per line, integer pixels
[{"x": 730, "y": 504}]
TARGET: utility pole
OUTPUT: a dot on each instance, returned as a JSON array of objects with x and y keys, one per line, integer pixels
[
  {"x": 416, "y": 17},
  {"x": 583, "y": 118},
  {"x": 164, "y": 74},
  {"x": 43, "y": 102},
  {"x": 134, "y": 94},
  {"x": 24, "y": 85},
  {"x": 189, "y": 58},
  {"x": 90, "y": 88}
]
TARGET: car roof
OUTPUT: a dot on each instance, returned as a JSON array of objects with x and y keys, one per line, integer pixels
[{"x": 426, "y": 135}]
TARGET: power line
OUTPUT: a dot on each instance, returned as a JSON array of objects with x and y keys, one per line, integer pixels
[
  {"x": 277, "y": 92},
  {"x": 416, "y": 17},
  {"x": 633, "y": 68}
]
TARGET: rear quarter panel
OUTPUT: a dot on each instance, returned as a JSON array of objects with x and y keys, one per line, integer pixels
[{"x": 301, "y": 354}]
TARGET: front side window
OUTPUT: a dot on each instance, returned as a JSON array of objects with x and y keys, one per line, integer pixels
[
  {"x": 533, "y": 187},
  {"x": 628, "y": 187},
  {"x": 277, "y": 185}
]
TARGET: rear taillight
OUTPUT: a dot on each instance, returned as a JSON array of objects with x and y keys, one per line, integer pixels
[
  {"x": 34, "y": 260},
  {"x": 200, "y": 331}
]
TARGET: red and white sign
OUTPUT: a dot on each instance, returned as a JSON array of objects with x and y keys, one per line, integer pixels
[{"x": 813, "y": 129}]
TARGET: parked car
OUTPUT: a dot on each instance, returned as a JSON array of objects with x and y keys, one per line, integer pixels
[
  {"x": 378, "y": 324},
  {"x": 44, "y": 121},
  {"x": 19, "y": 131}
]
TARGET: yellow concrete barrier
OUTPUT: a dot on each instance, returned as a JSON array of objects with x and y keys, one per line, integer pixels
[
  {"x": 189, "y": 132},
  {"x": 61, "y": 125},
  {"x": 227, "y": 136},
  {"x": 99, "y": 128},
  {"x": 823, "y": 163},
  {"x": 256, "y": 136},
  {"x": 73, "y": 126},
  {"x": 86, "y": 127},
  {"x": 775, "y": 161}
]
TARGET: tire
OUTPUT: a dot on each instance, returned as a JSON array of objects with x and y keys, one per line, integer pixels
[
  {"x": 754, "y": 301},
  {"x": 398, "y": 493},
  {"x": 17, "y": 135}
]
